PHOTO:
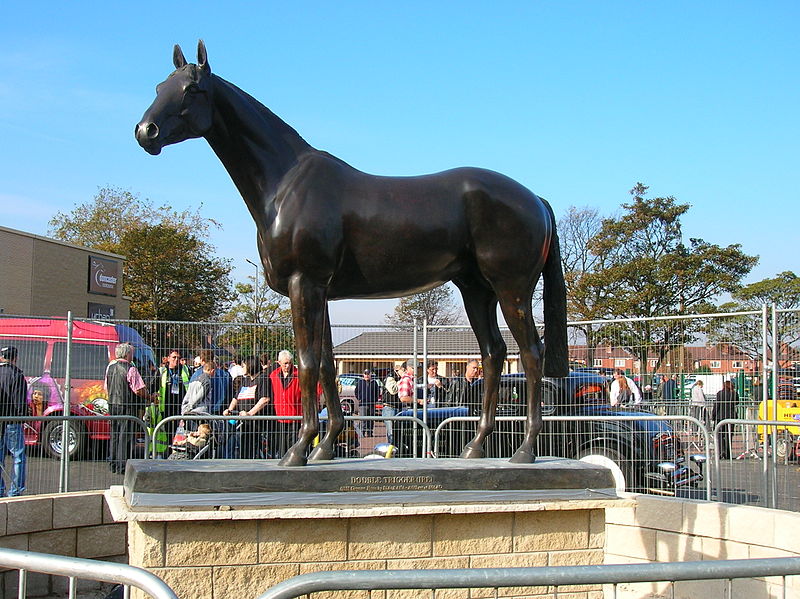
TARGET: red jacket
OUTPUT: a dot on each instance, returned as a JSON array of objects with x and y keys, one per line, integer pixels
[{"x": 287, "y": 400}]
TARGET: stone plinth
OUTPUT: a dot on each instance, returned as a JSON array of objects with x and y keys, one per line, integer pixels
[
  {"x": 165, "y": 483},
  {"x": 241, "y": 546}
]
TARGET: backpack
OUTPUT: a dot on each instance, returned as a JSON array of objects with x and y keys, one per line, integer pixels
[{"x": 391, "y": 385}]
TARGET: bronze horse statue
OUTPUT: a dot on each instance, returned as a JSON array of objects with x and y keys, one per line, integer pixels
[{"x": 327, "y": 231}]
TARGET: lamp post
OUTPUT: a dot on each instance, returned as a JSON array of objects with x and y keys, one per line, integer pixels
[
  {"x": 255, "y": 293},
  {"x": 255, "y": 307}
]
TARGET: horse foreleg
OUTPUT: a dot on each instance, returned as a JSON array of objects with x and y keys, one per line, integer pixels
[
  {"x": 308, "y": 320},
  {"x": 327, "y": 376}
]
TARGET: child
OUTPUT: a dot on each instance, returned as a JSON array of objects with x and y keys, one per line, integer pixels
[{"x": 194, "y": 442}]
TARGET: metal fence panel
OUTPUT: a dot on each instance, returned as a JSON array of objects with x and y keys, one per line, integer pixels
[
  {"x": 757, "y": 356},
  {"x": 556, "y": 581},
  {"x": 75, "y": 568}
]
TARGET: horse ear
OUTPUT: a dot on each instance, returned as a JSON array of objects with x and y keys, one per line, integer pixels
[
  {"x": 202, "y": 57},
  {"x": 177, "y": 57}
]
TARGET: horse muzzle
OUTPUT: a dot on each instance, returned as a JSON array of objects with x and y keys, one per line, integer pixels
[{"x": 147, "y": 134}]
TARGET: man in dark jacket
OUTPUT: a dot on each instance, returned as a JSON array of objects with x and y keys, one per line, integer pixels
[
  {"x": 367, "y": 392},
  {"x": 13, "y": 393},
  {"x": 467, "y": 391},
  {"x": 127, "y": 394}
]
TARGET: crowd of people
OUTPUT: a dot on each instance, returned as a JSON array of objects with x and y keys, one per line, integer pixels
[
  {"x": 255, "y": 386},
  {"x": 401, "y": 390},
  {"x": 252, "y": 386}
]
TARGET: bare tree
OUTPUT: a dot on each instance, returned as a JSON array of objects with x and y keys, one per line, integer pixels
[{"x": 437, "y": 306}]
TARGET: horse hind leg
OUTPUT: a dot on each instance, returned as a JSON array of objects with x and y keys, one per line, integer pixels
[
  {"x": 327, "y": 377},
  {"x": 519, "y": 317},
  {"x": 480, "y": 304}
]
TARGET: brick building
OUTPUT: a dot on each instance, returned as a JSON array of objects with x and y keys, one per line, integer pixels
[{"x": 46, "y": 277}]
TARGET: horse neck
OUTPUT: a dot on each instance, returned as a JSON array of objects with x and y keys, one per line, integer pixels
[{"x": 245, "y": 133}]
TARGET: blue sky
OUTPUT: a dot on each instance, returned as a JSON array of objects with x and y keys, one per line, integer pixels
[{"x": 576, "y": 100}]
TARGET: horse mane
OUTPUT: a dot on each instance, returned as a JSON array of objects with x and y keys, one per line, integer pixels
[{"x": 277, "y": 128}]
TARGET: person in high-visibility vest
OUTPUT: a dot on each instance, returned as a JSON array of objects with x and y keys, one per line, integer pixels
[{"x": 172, "y": 384}]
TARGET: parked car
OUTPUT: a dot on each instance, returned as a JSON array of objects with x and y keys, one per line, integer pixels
[
  {"x": 644, "y": 454},
  {"x": 42, "y": 345},
  {"x": 346, "y": 384}
]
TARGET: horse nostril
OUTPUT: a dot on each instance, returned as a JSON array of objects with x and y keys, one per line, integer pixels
[{"x": 146, "y": 131}]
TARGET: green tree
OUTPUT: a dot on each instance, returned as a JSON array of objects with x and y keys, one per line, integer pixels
[
  {"x": 101, "y": 222},
  {"x": 437, "y": 305},
  {"x": 782, "y": 291},
  {"x": 647, "y": 269},
  {"x": 171, "y": 272},
  {"x": 258, "y": 321},
  {"x": 169, "y": 276}
]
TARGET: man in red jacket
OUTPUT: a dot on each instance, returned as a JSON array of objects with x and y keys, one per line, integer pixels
[{"x": 287, "y": 401}]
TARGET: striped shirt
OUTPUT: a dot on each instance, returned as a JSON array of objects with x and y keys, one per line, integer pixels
[{"x": 406, "y": 386}]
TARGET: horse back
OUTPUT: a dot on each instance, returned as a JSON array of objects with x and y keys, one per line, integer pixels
[{"x": 376, "y": 236}]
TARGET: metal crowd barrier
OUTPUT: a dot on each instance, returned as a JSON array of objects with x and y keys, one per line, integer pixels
[
  {"x": 419, "y": 427},
  {"x": 85, "y": 569},
  {"x": 761, "y": 450},
  {"x": 755, "y": 478},
  {"x": 549, "y": 576},
  {"x": 59, "y": 469},
  {"x": 701, "y": 429}
]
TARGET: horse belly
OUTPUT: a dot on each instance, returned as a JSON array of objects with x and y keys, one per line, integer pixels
[{"x": 351, "y": 281}]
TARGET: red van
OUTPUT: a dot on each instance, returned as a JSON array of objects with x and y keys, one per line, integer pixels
[{"x": 42, "y": 346}]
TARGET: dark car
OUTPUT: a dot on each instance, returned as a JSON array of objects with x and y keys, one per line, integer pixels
[{"x": 644, "y": 454}]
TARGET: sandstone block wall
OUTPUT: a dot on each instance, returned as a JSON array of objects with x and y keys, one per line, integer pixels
[
  {"x": 212, "y": 559},
  {"x": 665, "y": 529},
  {"x": 71, "y": 524}
]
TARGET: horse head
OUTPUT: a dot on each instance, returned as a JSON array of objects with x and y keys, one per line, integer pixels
[{"x": 183, "y": 106}]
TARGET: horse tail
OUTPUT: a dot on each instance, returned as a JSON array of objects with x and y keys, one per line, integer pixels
[{"x": 556, "y": 353}]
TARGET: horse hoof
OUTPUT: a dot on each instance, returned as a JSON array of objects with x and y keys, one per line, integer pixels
[
  {"x": 523, "y": 456},
  {"x": 471, "y": 452},
  {"x": 292, "y": 459},
  {"x": 321, "y": 453}
]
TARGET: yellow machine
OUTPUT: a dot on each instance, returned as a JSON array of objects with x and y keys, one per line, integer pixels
[{"x": 789, "y": 412}]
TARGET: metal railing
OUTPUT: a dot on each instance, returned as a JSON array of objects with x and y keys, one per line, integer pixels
[
  {"x": 645, "y": 460},
  {"x": 50, "y": 469},
  {"x": 558, "y": 577},
  {"x": 75, "y": 568},
  {"x": 419, "y": 427},
  {"x": 761, "y": 436},
  {"x": 757, "y": 342}
]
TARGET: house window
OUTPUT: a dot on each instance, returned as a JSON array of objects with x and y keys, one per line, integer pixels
[
  {"x": 619, "y": 362},
  {"x": 715, "y": 364},
  {"x": 737, "y": 364},
  {"x": 597, "y": 362}
]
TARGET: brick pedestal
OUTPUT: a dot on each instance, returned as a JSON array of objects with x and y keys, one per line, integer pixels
[{"x": 242, "y": 551}]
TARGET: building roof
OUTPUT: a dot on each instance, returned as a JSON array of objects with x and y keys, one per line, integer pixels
[
  {"x": 459, "y": 343},
  {"x": 59, "y": 242}
]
